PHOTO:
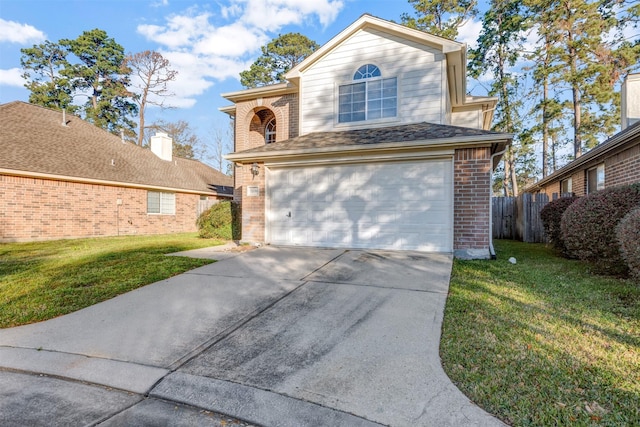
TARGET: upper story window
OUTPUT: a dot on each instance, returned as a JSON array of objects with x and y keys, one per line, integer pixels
[
  {"x": 595, "y": 179},
  {"x": 370, "y": 97},
  {"x": 270, "y": 131}
]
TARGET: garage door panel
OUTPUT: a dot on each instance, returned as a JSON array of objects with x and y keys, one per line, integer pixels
[{"x": 403, "y": 205}]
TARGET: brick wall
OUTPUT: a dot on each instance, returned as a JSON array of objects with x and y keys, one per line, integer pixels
[
  {"x": 42, "y": 209},
  {"x": 253, "y": 207},
  {"x": 253, "y": 115},
  {"x": 251, "y": 118},
  {"x": 471, "y": 198},
  {"x": 623, "y": 168},
  {"x": 620, "y": 168}
]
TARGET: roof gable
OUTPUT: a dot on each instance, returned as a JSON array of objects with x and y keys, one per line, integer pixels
[
  {"x": 366, "y": 22},
  {"x": 34, "y": 140}
]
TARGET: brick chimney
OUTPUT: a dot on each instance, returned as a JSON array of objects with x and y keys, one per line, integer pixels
[
  {"x": 630, "y": 100},
  {"x": 162, "y": 146}
]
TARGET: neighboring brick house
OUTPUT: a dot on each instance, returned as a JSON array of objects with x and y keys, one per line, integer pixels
[
  {"x": 62, "y": 177},
  {"x": 613, "y": 162},
  {"x": 372, "y": 142}
]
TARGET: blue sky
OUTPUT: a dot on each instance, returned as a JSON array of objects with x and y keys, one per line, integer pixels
[{"x": 208, "y": 42}]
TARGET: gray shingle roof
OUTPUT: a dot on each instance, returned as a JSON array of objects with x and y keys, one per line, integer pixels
[
  {"x": 33, "y": 139},
  {"x": 391, "y": 134}
]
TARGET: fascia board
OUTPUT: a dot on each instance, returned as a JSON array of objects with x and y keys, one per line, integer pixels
[
  {"x": 54, "y": 177},
  {"x": 443, "y": 143},
  {"x": 258, "y": 92}
]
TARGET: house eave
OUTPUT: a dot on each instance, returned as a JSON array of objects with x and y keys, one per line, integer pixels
[
  {"x": 357, "y": 149},
  {"x": 260, "y": 92},
  {"x": 54, "y": 177},
  {"x": 228, "y": 109},
  {"x": 614, "y": 143}
]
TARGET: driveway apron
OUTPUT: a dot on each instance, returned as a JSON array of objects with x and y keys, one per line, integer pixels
[{"x": 274, "y": 336}]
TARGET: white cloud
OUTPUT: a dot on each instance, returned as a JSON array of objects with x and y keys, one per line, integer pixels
[
  {"x": 11, "y": 77},
  {"x": 230, "y": 41},
  {"x": 469, "y": 32},
  {"x": 15, "y": 32},
  {"x": 160, "y": 3},
  {"x": 272, "y": 14},
  {"x": 203, "y": 53},
  {"x": 180, "y": 30}
]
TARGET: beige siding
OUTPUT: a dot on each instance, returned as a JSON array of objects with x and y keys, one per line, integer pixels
[
  {"x": 471, "y": 118},
  {"x": 417, "y": 67}
]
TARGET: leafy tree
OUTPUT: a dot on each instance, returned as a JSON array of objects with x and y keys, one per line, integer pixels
[
  {"x": 440, "y": 17},
  {"x": 102, "y": 73},
  {"x": 499, "y": 48},
  {"x": 151, "y": 73},
  {"x": 278, "y": 56},
  {"x": 41, "y": 66},
  {"x": 186, "y": 143}
]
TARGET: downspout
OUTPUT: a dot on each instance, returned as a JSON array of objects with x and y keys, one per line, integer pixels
[{"x": 492, "y": 251}]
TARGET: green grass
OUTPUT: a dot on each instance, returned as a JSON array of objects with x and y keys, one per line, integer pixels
[
  {"x": 544, "y": 342},
  {"x": 42, "y": 280}
]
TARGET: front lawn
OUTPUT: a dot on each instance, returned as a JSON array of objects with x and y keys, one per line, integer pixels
[
  {"x": 42, "y": 280},
  {"x": 543, "y": 342}
]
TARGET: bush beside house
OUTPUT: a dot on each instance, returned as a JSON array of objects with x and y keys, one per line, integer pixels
[
  {"x": 628, "y": 233},
  {"x": 551, "y": 216},
  {"x": 220, "y": 221},
  {"x": 589, "y": 227}
]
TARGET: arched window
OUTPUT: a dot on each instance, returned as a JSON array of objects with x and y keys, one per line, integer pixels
[
  {"x": 366, "y": 72},
  {"x": 371, "y": 97},
  {"x": 270, "y": 131}
]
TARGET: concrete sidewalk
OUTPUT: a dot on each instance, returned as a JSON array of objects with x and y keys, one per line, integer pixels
[{"x": 274, "y": 336}]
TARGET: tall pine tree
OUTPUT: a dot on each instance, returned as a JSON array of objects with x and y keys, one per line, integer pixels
[
  {"x": 440, "y": 17},
  {"x": 499, "y": 48}
]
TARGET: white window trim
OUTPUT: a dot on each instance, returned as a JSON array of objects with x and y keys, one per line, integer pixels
[
  {"x": 364, "y": 123},
  {"x": 268, "y": 133},
  {"x": 163, "y": 207}
]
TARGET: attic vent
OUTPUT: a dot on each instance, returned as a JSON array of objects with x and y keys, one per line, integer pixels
[{"x": 113, "y": 162}]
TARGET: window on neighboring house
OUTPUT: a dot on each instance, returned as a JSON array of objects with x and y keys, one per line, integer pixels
[
  {"x": 595, "y": 179},
  {"x": 566, "y": 186},
  {"x": 161, "y": 203},
  {"x": 371, "y": 97},
  {"x": 270, "y": 131}
]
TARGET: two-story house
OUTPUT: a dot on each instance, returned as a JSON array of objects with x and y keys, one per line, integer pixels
[{"x": 372, "y": 142}]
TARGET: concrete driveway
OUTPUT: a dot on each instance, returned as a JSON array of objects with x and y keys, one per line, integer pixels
[{"x": 274, "y": 336}]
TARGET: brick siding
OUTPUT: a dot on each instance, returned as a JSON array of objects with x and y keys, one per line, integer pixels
[
  {"x": 253, "y": 207},
  {"x": 44, "y": 209},
  {"x": 471, "y": 198},
  {"x": 623, "y": 168},
  {"x": 251, "y": 119},
  {"x": 620, "y": 168}
]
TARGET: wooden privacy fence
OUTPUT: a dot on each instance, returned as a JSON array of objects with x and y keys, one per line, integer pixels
[
  {"x": 518, "y": 218},
  {"x": 203, "y": 205}
]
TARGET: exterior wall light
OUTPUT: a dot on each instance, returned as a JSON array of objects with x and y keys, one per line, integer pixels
[{"x": 255, "y": 169}]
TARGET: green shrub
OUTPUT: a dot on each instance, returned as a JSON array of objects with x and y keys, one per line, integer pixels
[
  {"x": 628, "y": 232},
  {"x": 589, "y": 226},
  {"x": 220, "y": 221},
  {"x": 551, "y": 216}
]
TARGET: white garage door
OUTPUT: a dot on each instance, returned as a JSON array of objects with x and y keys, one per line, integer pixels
[{"x": 399, "y": 205}]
